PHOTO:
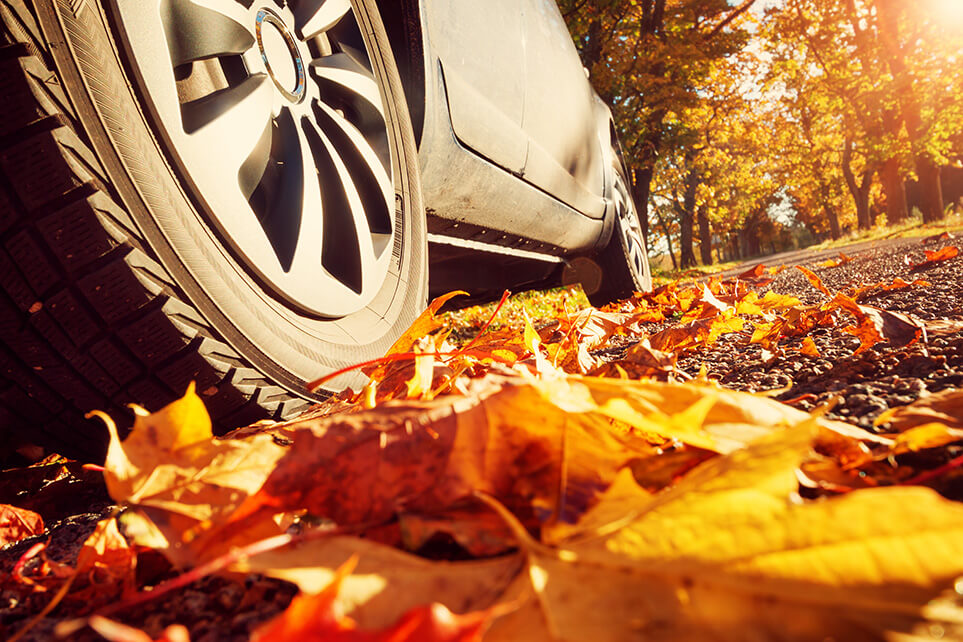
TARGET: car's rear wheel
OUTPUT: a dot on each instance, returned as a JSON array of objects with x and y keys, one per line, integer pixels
[
  {"x": 219, "y": 191},
  {"x": 623, "y": 263}
]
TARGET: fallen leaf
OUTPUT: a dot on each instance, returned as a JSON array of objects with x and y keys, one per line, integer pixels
[
  {"x": 696, "y": 561},
  {"x": 931, "y": 435},
  {"x": 943, "y": 327},
  {"x": 899, "y": 284},
  {"x": 932, "y": 258},
  {"x": 317, "y": 618},
  {"x": 179, "y": 477},
  {"x": 387, "y": 582},
  {"x": 809, "y": 348},
  {"x": 877, "y": 325},
  {"x": 814, "y": 280},
  {"x": 17, "y": 524},
  {"x": 945, "y": 407}
]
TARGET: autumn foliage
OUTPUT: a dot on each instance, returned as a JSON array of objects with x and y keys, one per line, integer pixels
[{"x": 590, "y": 498}]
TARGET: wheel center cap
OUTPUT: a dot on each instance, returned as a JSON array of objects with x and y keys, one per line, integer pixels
[{"x": 279, "y": 51}]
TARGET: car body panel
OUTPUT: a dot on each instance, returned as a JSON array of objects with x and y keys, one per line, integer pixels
[
  {"x": 565, "y": 155},
  {"x": 539, "y": 108},
  {"x": 470, "y": 39}
]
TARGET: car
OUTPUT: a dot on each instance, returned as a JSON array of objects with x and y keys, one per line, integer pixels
[{"x": 249, "y": 194}]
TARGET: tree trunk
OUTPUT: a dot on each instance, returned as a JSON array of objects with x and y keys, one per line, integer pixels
[
  {"x": 705, "y": 237},
  {"x": 641, "y": 186},
  {"x": 668, "y": 239},
  {"x": 931, "y": 193},
  {"x": 895, "y": 192},
  {"x": 859, "y": 191},
  {"x": 931, "y": 190},
  {"x": 686, "y": 255},
  {"x": 833, "y": 221}
]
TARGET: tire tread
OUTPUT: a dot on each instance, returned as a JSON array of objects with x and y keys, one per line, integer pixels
[{"x": 89, "y": 319}]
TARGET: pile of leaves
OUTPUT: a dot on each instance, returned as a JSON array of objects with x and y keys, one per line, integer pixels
[{"x": 552, "y": 481}]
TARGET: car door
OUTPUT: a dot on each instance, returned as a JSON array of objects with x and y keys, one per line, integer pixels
[
  {"x": 479, "y": 44},
  {"x": 565, "y": 156}
]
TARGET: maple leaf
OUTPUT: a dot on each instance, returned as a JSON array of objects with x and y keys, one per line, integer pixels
[
  {"x": 387, "y": 583},
  {"x": 106, "y": 560},
  {"x": 809, "y": 348},
  {"x": 814, "y": 280},
  {"x": 696, "y": 561},
  {"x": 932, "y": 258},
  {"x": 691, "y": 563},
  {"x": 640, "y": 360},
  {"x": 178, "y": 476},
  {"x": 17, "y": 524},
  {"x": 831, "y": 263},
  {"x": 876, "y": 325},
  {"x": 422, "y": 457},
  {"x": 317, "y": 618},
  {"x": 899, "y": 284}
]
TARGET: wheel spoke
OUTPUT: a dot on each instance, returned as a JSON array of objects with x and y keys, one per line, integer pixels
[
  {"x": 352, "y": 80},
  {"x": 226, "y": 132},
  {"x": 313, "y": 17},
  {"x": 366, "y": 166},
  {"x": 279, "y": 206},
  {"x": 343, "y": 229},
  {"x": 195, "y": 32}
]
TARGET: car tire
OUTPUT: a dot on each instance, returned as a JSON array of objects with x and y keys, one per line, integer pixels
[
  {"x": 623, "y": 263},
  {"x": 121, "y": 280}
]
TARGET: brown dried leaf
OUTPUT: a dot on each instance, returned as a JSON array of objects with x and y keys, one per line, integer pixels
[
  {"x": 944, "y": 407},
  {"x": 17, "y": 524}
]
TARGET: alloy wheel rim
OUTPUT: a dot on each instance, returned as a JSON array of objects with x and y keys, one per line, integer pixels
[{"x": 273, "y": 115}]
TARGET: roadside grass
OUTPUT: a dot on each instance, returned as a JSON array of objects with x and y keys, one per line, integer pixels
[
  {"x": 555, "y": 302},
  {"x": 913, "y": 228},
  {"x": 537, "y": 304}
]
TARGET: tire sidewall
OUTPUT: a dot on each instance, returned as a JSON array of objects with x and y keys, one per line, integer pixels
[{"x": 287, "y": 346}]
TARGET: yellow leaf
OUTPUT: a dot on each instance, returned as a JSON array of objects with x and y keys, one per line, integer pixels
[
  {"x": 932, "y": 435},
  {"x": 172, "y": 469},
  {"x": 419, "y": 385},
  {"x": 697, "y": 561}
]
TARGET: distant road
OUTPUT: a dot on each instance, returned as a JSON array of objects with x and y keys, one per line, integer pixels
[{"x": 808, "y": 255}]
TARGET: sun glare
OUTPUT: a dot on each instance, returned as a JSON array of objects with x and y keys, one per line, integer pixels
[{"x": 949, "y": 12}]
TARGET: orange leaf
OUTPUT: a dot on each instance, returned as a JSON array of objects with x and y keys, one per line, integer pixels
[
  {"x": 107, "y": 551},
  {"x": 754, "y": 272},
  {"x": 317, "y": 618},
  {"x": 808, "y": 347},
  {"x": 867, "y": 333},
  {"x": 815, "y": 280},
  {"x": 932, "y": 258},
  {"x": 424, "y": 325},
  {"x": 899, "y": 283},
  {"x": 17, "y": 524}
]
